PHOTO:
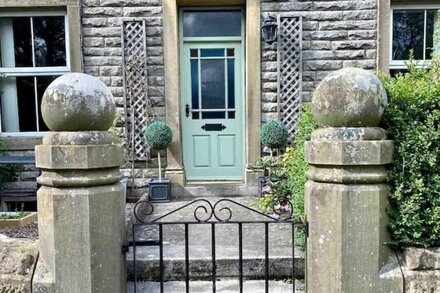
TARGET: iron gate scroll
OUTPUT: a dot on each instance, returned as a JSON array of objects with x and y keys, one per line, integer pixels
[{"x": 204, "y": 212}]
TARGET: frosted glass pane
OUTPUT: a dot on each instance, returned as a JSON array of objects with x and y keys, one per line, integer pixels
[
  {"x": 213, "y": 83},
  {"x": 226, "y": 23}
]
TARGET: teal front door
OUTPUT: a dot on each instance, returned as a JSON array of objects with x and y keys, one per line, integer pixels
[{"x": 212, "y": 110}]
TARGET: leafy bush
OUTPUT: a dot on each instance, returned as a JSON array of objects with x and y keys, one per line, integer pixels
[
  {"x": 292, "y": 172},
  {"x": 274, "y": 134},
  {"x": 413, "y": 121},
  {"x": 158, "y": 136}
]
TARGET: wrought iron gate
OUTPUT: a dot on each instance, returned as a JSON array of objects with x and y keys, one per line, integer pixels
[{"x": 204, "y": 212}]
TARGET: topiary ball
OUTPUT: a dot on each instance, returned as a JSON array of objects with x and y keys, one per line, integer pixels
[
  {"x": 274, "y": 134},
  {"x": 158, "y": 136}
]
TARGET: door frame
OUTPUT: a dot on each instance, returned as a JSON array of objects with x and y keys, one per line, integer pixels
[
  {"x": 252, "y": 84},
  {"x": 241, "y": 40}
]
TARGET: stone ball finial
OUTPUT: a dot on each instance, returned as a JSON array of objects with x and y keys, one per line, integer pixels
[
  {"x": 78, "y": 102},
  {"x": 350, "y": 97}
]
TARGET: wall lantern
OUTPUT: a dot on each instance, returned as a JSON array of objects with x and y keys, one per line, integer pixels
[{"x": 269, "y": 30}]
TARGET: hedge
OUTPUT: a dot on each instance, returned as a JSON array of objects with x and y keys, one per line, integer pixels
[{"x": 412, "y": 120}]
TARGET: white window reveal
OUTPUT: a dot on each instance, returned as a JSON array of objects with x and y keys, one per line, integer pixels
[
  {"x": 412, "y": 28},
  {"x": 34, "y": 50}
]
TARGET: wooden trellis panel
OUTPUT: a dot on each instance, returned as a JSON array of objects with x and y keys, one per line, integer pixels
[
  {"x": 135, "y": 87},
  {"x": 289, "y": 71}
]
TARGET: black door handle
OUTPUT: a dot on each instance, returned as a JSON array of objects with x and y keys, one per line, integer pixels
[{"x": 187, "y": 110}]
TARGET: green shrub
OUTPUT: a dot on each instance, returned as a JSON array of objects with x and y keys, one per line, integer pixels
[
  {"x": 158, "y": 136},
  {"x": 274, "y": 134},
  {"x": 413, "y": 120},
  {"x": 295, "y": 162},
  {"x": 292, "y": 172}
]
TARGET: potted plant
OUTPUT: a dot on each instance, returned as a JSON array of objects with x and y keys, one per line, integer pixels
[
  {"x": 158, "y": 136},
  {"x": 274, "y": 135}
]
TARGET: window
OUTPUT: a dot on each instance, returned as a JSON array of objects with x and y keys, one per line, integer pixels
[
  {"x": 412, "y": 28},
  {"x": 212, "y": 23},
  {"x": 33, "y": 52}
]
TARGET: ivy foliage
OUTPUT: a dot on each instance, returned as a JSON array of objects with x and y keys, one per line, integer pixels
[
  {"x": 158, "y": 136},
  {"x": 413, "y": 122},
  {"x": 274, "y": 134}
]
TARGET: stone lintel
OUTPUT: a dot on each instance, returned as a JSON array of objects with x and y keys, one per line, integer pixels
[{"x": 349, "y": 153}]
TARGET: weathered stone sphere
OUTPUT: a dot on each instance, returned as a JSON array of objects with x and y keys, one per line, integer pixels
[
  {"x": 350, "y": 97},
  {"x": 78, "y": 102}
]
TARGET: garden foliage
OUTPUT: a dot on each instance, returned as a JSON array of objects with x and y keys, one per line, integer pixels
[
  {"x": 158, "y": 135},
  {"x": 291, "y": 171},
  {"x": 413, "y": 122}
]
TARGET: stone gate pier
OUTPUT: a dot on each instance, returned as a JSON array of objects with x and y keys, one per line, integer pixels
[
  {"x": 347, "y": 193},
  {"x": 81, "y": 202}
]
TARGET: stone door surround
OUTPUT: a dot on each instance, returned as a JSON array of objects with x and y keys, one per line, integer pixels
[{"x": 175, "y": 169}]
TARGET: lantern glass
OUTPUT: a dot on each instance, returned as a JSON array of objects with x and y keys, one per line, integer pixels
[{"x": 269, "y": 30}]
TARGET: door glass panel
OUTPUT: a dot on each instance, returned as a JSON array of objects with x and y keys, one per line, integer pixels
[
  {"x": 194, "y": 52},
  {"x": 206, "y": 23},
  {"x": 231, "y": 83},
  {"x": 213, "y": 115},
  {"x": 408, "y": 34},
  {"x": 212, "y": 52},
  {"x": 195, "y": 83},
  {"x": 213, "y": 83}
]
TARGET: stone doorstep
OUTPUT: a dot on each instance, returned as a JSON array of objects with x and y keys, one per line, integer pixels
[
  {"x": 201, "y": 268},
  {"x": 208, "y": 190},
  {"x": 222, "y": 286},
  {"x": 200, "y": 251}
]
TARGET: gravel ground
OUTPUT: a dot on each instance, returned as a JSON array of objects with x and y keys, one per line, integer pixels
[{"x": 28, "y": 232}]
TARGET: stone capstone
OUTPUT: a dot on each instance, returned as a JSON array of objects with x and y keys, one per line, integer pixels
[
  {"x": 78, "y": 102},
  {"x": 17, "y": 262},
  {"x": 422, "y": 258},
  {"x": 349, "y": 97}
]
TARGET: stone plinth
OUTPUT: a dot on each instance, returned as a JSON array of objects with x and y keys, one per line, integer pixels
[
  {"x": 81, "y": 204},
  {"x": 347, "y": 194}
]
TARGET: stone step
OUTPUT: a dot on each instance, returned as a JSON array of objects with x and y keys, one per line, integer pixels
[
  {"x": 222, "y": 286},
  {"x": 226, "y": 246}
]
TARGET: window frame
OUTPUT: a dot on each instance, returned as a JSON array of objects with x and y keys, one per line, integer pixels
[
  {"x": 401, "y": 64},
  {"x": 37, "y": 71}
]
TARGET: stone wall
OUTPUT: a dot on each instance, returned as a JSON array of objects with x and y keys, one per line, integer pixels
[
  {"x": 102, "y": 55},
  {"x": 101, "y": 25},
  {"x": 336, "y": 34}
]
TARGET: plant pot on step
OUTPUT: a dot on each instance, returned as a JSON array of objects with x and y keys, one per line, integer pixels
[
  {"x": 158, "y": 136},
  {"x": 159, "y": 190}
]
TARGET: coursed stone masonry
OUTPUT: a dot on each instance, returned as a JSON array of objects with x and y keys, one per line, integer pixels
[{"x": 336, "y": 34}]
